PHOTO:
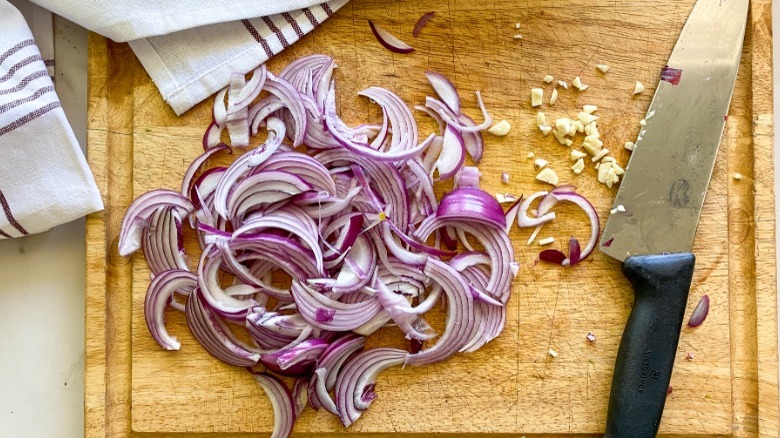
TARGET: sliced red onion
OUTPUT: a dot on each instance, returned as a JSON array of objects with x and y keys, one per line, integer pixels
[
  {"x": 159, "y": 293},
  {"x": 446, "y": 91},
  {"x": 424, "y": 19},
  {"x": 237, "y": 121},
  {"x": 245, "y": 163},
  {"x": 522, "y": 214},
  {"x": 405, "y": 133},
  {"x": 359, "y": 266},
  {"x": 296, "y": 361},
  {"x": 299, "y": 396},
  {"x": 345, "y": 317},
  {"x": 555, "y": 197},
  {"x": 403, "y": 314},
  {"x": 140, "y": 210},
  {"x": 323, "y": 397},
  {"x": 468, "y": 177},
  {"x": 212, "y": 137},
  {"x": 261, "y": 189},
  {"x": 388, "y": 40},
  {"x": 186, "y": 185},
  {"x": 552, "y": 256},
  {"x": 215, "y": 336},
  {"x": 574, "y": 252},
  {"x": 282, "y": 402},
  {"x": 249, "y": 92},
  {"x": 453, "y": 154},
  {"x": 219, "y": 111},
  {"x": 355, "y": 385},
  {"x": 471, "y": 203},
  {"x": 700, "y": 312},
  {"x": 291, "y": 99},
  {"x": 453, "y": 119}
]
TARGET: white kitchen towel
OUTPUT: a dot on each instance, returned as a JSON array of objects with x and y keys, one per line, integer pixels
[
  {"x": 190, "y": 65},
  {"x": 44, "y": 178},
  {"x": 125, "y": 20}
]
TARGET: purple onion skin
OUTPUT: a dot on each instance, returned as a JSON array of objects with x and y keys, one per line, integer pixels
[
  {"x": 552, "y": 256},
  {"x": 700, "y": 312}
]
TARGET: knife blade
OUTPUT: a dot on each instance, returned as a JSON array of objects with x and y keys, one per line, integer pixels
[{"x": 659, "y": 203}]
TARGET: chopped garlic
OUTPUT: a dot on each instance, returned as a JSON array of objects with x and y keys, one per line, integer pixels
[
  {"x": 541, "y": 119},
  {"x": 518, "y": 37},
  {"x": 611, "y": 212},
  {"x": 577, "y": 82},
  {"x": 586, "y": 118},
  {"x": 579, "y": 166},
  {"x": 591, "y": 337},
  {"x": 576, "y": 155},
  {"x": 650, "y": 115},
  {"x": 590, "y": 109},
  {"x": 601, "y": 154},
  {"x": 563, "y": 125},
  {"x": 642, "y": 133},
  {"x": 602, "y": 67},
  {"x": 554, "y": 96},
  {"x": 612, "y": 177},
  {"x": 618, "y": 170},
  {"x": 579, "y": 126},
  {"x": 505, "y": 198},
  {"x": 500, "y": 129},
  {"x": 504, "y": 177},
  {"x": 558, "y": 136},
  {"x": 537, "y": 95},
  {"x": 552, "y": 353},
  {"x": 547, "y": 175},
  {"x": 602, "y": 174},
  {"x": 563, "y": 84},
  {"x": 638, "y": 87},
  {"x": 568, "y": 142},
  {"x": 517, "y": 25},
  {"x": 545, "y": 129},
  {"x": 540, "y": 163},
  {"x": 592, "y": 129},
  {"x": 643, "y": 122},
  {"x": 546, "y": 241},
  {"x": 737, "y": 176},
  {"x": 592, "y": 144},
  {"x": 621, "y": 208},
  {"x": 531, "y": 155},
  {"x": 548, "y": 78}
]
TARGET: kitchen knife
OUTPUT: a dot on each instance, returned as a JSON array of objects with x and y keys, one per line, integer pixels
[{"x": 658, "y": 205}]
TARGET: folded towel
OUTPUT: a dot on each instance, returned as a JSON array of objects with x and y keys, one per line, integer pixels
[{"x": 44, "y": 178}]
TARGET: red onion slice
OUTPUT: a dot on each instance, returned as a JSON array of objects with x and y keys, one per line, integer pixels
[
  {"x": 552, "y": 256},
  {"x": 445, "y": 90},
  {"x": 523, "y": 221},
  {"x": 140, "y": 210},
  {"x": 453, "y": 154},
  {"x": 388, "y": 40},
  {"x": 424, "y": 19},
  {"x": 159, "y": 293},
  {"x": 345, "y": 316},
  {"x": 282, "y": 402},
  {"x": 249, "y": 92},
  {"x": 237, "y": 121},
  {"x": 700, "y": 312},
  {"x": 575, "y": 198},
  {"x": 355, "y": 385}
]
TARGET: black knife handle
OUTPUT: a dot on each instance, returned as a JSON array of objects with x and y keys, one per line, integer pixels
[{"x": 646, "y": 354}]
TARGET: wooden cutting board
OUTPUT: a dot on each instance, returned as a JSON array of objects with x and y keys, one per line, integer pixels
[{"x": 512, "y": 386}]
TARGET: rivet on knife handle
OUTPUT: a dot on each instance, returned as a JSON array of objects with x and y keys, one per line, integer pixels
[{"x": 647, "y": 350}]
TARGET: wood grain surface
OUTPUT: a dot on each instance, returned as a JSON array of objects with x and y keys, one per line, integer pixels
[{"x": 511, "y": 386}]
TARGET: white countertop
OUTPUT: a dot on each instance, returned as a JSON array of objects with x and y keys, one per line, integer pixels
[{"x": 42, "y": 288}]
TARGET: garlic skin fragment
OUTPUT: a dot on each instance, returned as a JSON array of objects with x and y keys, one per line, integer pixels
[
  {"x": 537, "y": 96},
  {"x": 602, "y": 67},
  {"x": 554, "y": 96},
  {"x": 638, "y": 87},
  {"x": 547, "y": 175},
  {"x": 500, "y": 129},
  {"x": 548, "y": 79}
]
